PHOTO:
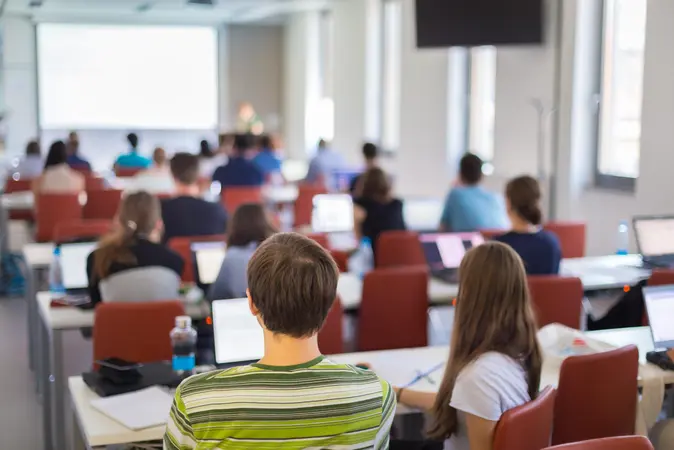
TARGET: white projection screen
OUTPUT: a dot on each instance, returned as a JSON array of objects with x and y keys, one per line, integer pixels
[{"x": 127, "y": 77}]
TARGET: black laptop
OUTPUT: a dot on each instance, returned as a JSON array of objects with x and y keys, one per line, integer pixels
[
  {"x": 655, "y": 240},
  {"x": 444, "y": 252}
]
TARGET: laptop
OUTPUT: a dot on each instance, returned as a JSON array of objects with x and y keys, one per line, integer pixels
[
  {"x": 74, "y": 266},
  {"x": 333, "y": 215},
  {"x": 655, "y": 239},
  {"x": 207, "y": 257},
  {"x": 238, "y": 337},
  {"x": 444, "y": 252},
  {"x": 659, "y": 303},
  {"x": 422, "y": 214}
]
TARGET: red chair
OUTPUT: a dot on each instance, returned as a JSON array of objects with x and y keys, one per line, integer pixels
[
  {"x": 102, "y": 204},
  {"x": 94, "y": 183},
  {"x": 20, "y": 185},
  {"x": 182, "y": 246},
  {"x": 557, "y": 300},
  {"x": 491, "y": 233},
  {"x": 341, "y": 257},
  {"x": 616, "y": 443},
  {"x": 304, "y": 205},
  {"x": 597, "y": 396},
  {"x": 331, "y": 336},
  {"x": 80, "y": 229},
  {"x": 320, "y": 238},
  {"x": 51, "y": 209},
  {"x": 125, "y": 172},
  {"x": 399, "y": 248},
  {"x": 84, "y": 170},
  {"x": 136, "y": 332},
  {"x": 527, "y": 427},
  {"x": 571, "y": 237},
  {"x": 393, "y": 309},
  {"x": 233, "y": 197}
]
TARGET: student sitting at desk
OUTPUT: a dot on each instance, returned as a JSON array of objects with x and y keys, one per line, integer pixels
[
  {"x": 30, "y": 166},
  {"x": 494, "y": 361},
  {"x": 58, "y": 177},
  {"x": 370, "y": 155},
  {"x": 239, "y": 171},
  {"x": 132, "y": 160},
  {"x": 266, "y": 160},
  {"x": 130, "y": 264},
  {"x": 249, "y": 227},
  {"x": 293, "y": 397},
  {"x": 538, "y": 248},
  {"x": 157, "y": 179},
  {"x": 74, "y": 159}
]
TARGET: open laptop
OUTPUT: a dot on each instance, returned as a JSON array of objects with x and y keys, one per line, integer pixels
[
  {"x": 422, "y": 214},
  {"x": 655, "y": 239},
  {"x": 238, "y": 338},
  {"x": 333, "y": 215},
  {"x": 74, "y": 266},
  {"x": 444, "y": 252},
  {"x": 207, "y": 257},
  {"x": 659, "y": 303}
]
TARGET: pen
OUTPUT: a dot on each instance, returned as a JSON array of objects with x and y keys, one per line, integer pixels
[{"x": 421, "y": 375}]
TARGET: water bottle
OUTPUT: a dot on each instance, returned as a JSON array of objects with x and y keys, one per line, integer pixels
[
  {"x": 184, "y": 343},
  {"x": 363, "y": 260},
  {"x": 55, "y": 275},
  {"x": 623, "y": 238}
]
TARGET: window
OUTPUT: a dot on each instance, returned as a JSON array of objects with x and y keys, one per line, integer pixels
[
  {"x": 621, "y": 91},
  {"x": 482, "y": 101},
  {"x": 391, "y": 68}
]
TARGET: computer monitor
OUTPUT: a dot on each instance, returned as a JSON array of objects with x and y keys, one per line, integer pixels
[
  {"x": 238, "y": 336},
  {"x": 654, "y": 235},
  {"x": 422, "y": 214},
  {"x": 207, "y": 257},
  {"x": 659, "y": 302},
  {"x": 332, "y": 213},
  {"x": 74, "y": 264},
  {"x": 446, "y": 250}
]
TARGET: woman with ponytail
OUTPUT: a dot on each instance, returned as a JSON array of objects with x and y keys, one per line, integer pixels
[
  {"x": 539, "y": 249},
  {"x": 132, "y": 254}
]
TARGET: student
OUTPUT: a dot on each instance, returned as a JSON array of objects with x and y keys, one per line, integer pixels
[
  {"x": 248, "y": 228},
  {"x": 187, "y": 214},
  {"x": 75, "y": 161},
  {"x": 58, "y": 177},
  {"x": 157, "y": 179},
  {"x": 266, "y": 159},
  {"x": 239, "y": 171},
  {"x": 539, "y": 249},
  {"x": 324, "y": 164},
  {"x": 494, "y": 361},
  {"x": 132, "y": 160},
  {"x": 469, "y": 206},
  {"x": 293, "y": 397},
  {"x": 370, "y": 155},
  {"x": 31, "y": 165},
  {"x": 130, "y": 264},
  {"x": 376, "y": 210}
]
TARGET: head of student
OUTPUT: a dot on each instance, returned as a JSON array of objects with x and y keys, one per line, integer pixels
[
  {"x": 370, "y": 154},
  {"x": 292, "y": 283},
  {"x": 322, "y": 145},
  {"x": 266, "y": 143},
  {"x": 73, "y": 143},
  {"x": 205, "y": 149},
  {"x": 523, "y": 196},
  {"x": 470, "y": 169},
  {"x": 133, "y": 141},
  {"x": 250, "y": 224},
  {"x": 159, "y": 157},
  {"x": 376, "y": 185},
  {"x": 58, "y": 154},
  {"x": 185, "y": 170},
  {"x": 242, "y": 143},
  {"x": 138, "y": 217},
  {"x": 493, "y": 314},
  {"x": 33, "y": 148}
]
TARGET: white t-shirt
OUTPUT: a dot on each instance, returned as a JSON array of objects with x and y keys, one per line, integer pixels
[{"x": 486, "y": 388}]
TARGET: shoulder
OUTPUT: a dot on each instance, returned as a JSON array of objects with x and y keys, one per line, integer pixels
[
  {"x": 492, "y": 371},
  {"x": 160, "y": 253},
  {"x": 549, "y": 236},
  {"x": 396, "y": 203}
]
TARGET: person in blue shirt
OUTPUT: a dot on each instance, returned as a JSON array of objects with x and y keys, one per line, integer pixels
[
  {"x": 75, "y": 161},
  {"x": 133, "y": 160},
  {"x": 469, "y": 206},
  {"x": 324, "y": 164},
  {"x": 539, "y": 249},
  {"x": 266, "y": 159},
  {"x": 239, "y": 171}
]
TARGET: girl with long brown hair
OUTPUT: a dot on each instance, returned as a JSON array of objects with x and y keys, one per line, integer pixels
[{"x": 495, "y": 360}]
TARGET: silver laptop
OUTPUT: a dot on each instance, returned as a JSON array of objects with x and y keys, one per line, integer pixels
[
  {"x": 207, "y": 257},
  {"x": 74, "y": 266},
  {"x": 238, "y": 337},
  {"x": 655, "y": 239},
  {"x": 333, "y": 214},
  {"x": 659, "y": 302}
]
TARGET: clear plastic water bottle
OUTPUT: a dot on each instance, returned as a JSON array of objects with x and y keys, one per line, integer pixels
[
  {"x": 184, "y": 342},
  {"x": 55, "y": 275},
  {"x": 363, "y": 260},
  {"x": 623, "y": 238}
]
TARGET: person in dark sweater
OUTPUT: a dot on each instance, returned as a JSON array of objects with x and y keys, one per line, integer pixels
[
  {"x": 186, "y": 214},
  {"x": 135, "y": 266},
  {"x": 375, "y": 210},
  {"x": 539, "y": 249},
  {"x": 370, "y": 155}
]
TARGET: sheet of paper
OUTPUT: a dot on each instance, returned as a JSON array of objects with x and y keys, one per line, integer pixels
[{"x": 146, "y": 408}]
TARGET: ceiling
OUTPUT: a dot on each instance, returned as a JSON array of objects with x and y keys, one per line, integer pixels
[{"x": 162, "y": 11}]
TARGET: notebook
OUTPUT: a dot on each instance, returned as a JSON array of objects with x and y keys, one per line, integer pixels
[{"x": 137, "y": 410}]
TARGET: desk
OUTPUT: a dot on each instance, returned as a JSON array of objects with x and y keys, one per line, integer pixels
[
  {"x": 53, "y": 323},
  {"x": 605, "y": 272},
  {"x": 278, "y": 195}
]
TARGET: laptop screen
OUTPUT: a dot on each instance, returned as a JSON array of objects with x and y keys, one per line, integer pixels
[
  {"x": 446, "y": 250},
  {"x": 208, "y": 257},
  {"x": 422, "y": 214},
  {"x": 238, "y": 335},
  {"x": 659, "y": 302},
  {"x": 332, "y": 213},
  {"x": 74, "y": 264},
  {"x": 655, "y": 236}
]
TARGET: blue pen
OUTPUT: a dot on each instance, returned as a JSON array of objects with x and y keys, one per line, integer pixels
[{"x": 423, "y": 375}]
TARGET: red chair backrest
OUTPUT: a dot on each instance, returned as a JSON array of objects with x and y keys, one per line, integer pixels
[
  {"x": 597, "y": 396},
  {"x": 304, "y": 205},
  {"x": 615, "y": 443},
  {"x": 79, "y": 229},
  {"x": 235, "y": 196},
  {"x": 21, "y": 185},
  {"x": 182, "y": 246},
  {"x": 527, "y": 427},
  {"x": 84, "y": 170},
  {"x": 393, "y": 309},
  {"x": 399, "y": 248},
  {"x": 331, "y": 336},
  {"x": 102, "y": 204},
  {"x": 556, "y": 299},
  {"x": 51, "y": 209},
  {"x": 491, "y": 233},
  {"x": 341, "y": 257},
  {"x": 136, "y": 332},
  {"x": 321, "y": 239},
  {"x": 571, "y": 237},
  {"x": 127, "y": 171},
  {"x": 92, "y": 183}
]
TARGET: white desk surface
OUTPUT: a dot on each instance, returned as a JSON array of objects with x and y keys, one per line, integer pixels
[
  {"x": 286, "y": 193},
  {"x": 605, "y": 272},
  {"x": 38, "y": 254}
]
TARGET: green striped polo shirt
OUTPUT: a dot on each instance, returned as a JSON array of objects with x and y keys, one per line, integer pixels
[{"x": 319, "y": 405}]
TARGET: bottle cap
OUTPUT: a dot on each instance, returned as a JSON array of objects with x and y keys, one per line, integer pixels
[{"x": 183, "y": 321}]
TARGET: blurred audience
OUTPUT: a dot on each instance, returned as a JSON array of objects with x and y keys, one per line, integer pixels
[
  {"x": 239, "y": 171},
  {"x": 57, "y": 176},
  {"x": 132, "y": 160},
  {"x": 31, "y": 164},
  {"x": 157, "y": 179},
  {"x": 324, "y": 164},
  {"x": 266, "y": 159},
  {"x": 75, "y": 161}
]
